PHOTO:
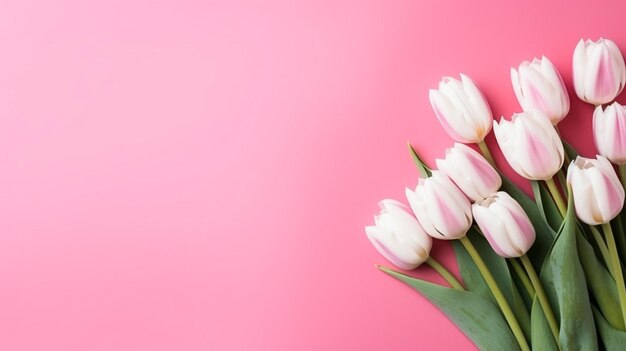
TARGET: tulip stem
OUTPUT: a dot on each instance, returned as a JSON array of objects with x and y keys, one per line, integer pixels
[
  {"x": 617, "y": 267},
  {"x": 604, "y": 250},
  {"x": 542, "y": 297},
  {"x": 497, "y": 293},
  {"x": 622, "y": 174},
  {"x": 444, "y": 273},
  {"x": 523, "y": 276},
  {"x": 556, "y": 195},
  {"x": 484, "y": 149}
]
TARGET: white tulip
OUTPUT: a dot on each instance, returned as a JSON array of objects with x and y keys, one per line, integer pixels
[{"x": 599, "y": 71}]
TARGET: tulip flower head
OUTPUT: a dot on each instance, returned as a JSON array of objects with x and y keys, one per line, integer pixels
[
  {"x": 530, "y": 145},
  {"x": 470, "y": 171},
  {"x": 461, "y": 109},
  {"x": 398, "y": 236},
  {"x": 599, "y": 71},
  {"x": 597, "y": 191},
  {"x": 505, "y": 224},
  {"x": 609, "y": 132},
  {"x": 539, "y": 86},
  {"x": 440, "y": 207}
]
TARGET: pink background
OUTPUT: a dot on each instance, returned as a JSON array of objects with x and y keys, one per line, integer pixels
[{"x": 192, "y": 175}]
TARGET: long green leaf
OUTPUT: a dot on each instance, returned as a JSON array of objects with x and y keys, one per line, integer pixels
[
  {"x": 478, "y": 318},
  {"x": 542, "y": 338},
  {"x": 497, "y": 265},
  {"x": 564, "y": 281},
  {"x": 612, "y": 339},
  {"x": 546, "y": 205},
  {"x": 425, "y": 172}
]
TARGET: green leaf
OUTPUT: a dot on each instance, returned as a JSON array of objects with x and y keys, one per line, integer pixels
[
  {"x": 563, "y": 279},
  {"x": 425, "y": 172},
  {"x": 570, "y": 151},
  {"x": 497, "y": 265},
  {"x": 601, "y": 284},
  {"x": 546, "y": 205},
  {"x": 542, "y": 338},
  {"x": 545, "y": 234},
  {"x": 612, "y": 339},
  {"x": 478, "y": 318}
]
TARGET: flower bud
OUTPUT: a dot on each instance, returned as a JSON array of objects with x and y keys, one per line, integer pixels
[
  {"x": 461, "y": 109},
  {"x": 505, "y": 224},
  {"x": 539, "y": 86},
  {"x": 599, "y": 71},
  {"x": 470, "y": 171},
  {"x": 609, "y": 132},
  {"x": 597, "y": 191},
  {"x": 530, "y": 145},
  {"x": 398, "y": 236},
  {"x": 440, "y": 207}
]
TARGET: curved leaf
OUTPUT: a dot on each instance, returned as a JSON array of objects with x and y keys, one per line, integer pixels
[
  {"x": 546, "y": 205},
  {"x": 421, "y": 165},
  {"x": 542, "y": 338},
  {"x": 478, "y": 318},
  {"x": 612, "y": 339}
]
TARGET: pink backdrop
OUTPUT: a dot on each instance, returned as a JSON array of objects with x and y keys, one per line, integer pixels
[{"x": 184, "y": 175}]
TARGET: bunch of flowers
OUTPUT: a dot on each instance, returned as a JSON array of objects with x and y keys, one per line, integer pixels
[{"x": 542, "y": 272}]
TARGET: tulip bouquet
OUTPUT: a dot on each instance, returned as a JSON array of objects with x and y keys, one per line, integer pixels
[{"x": 542, "y": 272}]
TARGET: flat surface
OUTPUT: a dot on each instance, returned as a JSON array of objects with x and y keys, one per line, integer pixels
[{"x": 192, "y": 175}]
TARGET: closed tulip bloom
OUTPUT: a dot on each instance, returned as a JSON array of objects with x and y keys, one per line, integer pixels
[
  {"x": 609, "y": 132},
  {"x": 598, "y": 193},
  {"x": 470, "y": 171},
  {"x": 599, "y": 71},
  {"x": 398, "y": 236},
  {"x": 461, "y": 109},
  {"x": 530, "y": 145},
  {"x": 539, "y": 86},
  {"x": 505, "y": 224},
  {"x": 440, "y": 207}
]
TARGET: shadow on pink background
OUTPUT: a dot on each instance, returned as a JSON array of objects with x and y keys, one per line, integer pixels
[{"x": 184, "y": 175}]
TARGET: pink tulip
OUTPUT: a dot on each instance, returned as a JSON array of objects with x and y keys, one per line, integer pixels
[
  {"x": 597, "y": 191},
  {"x": 539, "y": 86},
  {"x": 505, "y": 224},
  {"x": 398, "y": 236},
  {"x": 599, "y": 71},
  {"x": 609, "y": 132},
  {"x": 530, "y": 145},
  {"x": 461, "y": 109},
  {"x": 440, "y": 207},
  {"x": 470, "y": 171}
]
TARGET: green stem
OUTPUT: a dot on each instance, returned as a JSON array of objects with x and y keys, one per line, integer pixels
[
  {"x": 622, "y": 174},
  {"x": 543, "y": 298},
  {"x": 444, "y": 273},
  {"x": 604, "y": 250},
  {"x": 556, "y": 195},
  {"x": 497, "y": 293},
  {"x": 523, "y": 277},
  {"x": 617, "y": 268},
  {"x": 485, "y": 151}
]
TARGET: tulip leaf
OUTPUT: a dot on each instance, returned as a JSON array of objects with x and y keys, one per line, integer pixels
[
  {"x": 563, "y": 279},
  {"x": 612, "y": 339},
  {"x": 542, "y": 338},
  {"x": 474, "y": 281},
  {"x": 546, "y": 205},
  {"x": 545, "y": 234},
  {"x": 478, "y": 318},
  {"x": 570, "y": 151},
  {"x": 425, "y": 172},
  {"x": 601, "y": 284}
]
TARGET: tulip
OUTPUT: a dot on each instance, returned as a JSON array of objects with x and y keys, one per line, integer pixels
[
  {"x": 599, "y": 71},
  {"x": 609, "y": 132},
  {"x": 539, "y": 86},
  {"x": 505, "y": 224},
  {"x": 470, "y": 171},
  {"x": 398, "y": 236},
  {"x": 462, "y": 109},
  {"x": 530, "y": 145},
  {"x": 440, "y": 207},
  {"x": 598, "y": 194}
]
